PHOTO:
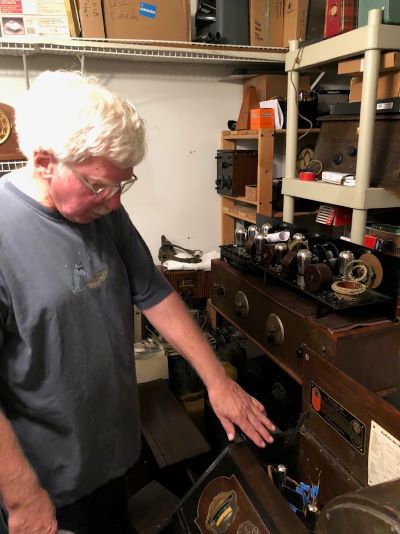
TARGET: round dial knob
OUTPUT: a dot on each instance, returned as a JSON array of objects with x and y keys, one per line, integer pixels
[
  {"x": 241, "y": 305},
  {"x": 275, "y": 329}
]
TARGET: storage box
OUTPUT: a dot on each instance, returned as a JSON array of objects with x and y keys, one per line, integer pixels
[
  {"x": 158, "y": 20},
  {"x": 91, "y": 16},
  {"x": 295, "y": 20},
  {"x": 151, "y": 361},
  {"x": 340, "y": 17},
  {"x": 388, "y": 87},
  {"x": 391, "y": 11},
  {"x": 262, "y": 118},
  {"x": 36, "y": 17},
  {"x": 273, "y": 85},
  {"x": 189, "y": 284},
  {"x": 266, "y": 23},
  {"x": 251, "y": 193},
  {"x": 354, "y": 67}
]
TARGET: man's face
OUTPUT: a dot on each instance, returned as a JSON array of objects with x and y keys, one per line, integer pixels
[{"x": 74, "y": 199}]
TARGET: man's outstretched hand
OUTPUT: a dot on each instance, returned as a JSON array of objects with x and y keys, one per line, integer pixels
[{"x": 233, "y": 406}]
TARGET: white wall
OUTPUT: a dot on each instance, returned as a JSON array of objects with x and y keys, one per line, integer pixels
[{"x": 185, "y": 108}]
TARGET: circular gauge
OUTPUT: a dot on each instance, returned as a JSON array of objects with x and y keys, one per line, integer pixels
[{"x": 5, "y": 127}]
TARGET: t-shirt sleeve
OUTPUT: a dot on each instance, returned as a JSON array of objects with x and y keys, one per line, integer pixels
[{"x": 148, "y": 285}]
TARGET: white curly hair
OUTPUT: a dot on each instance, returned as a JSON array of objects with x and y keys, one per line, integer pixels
[{"x": 75, "y": 117}]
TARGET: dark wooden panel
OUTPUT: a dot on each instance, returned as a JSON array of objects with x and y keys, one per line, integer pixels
[
  {"x": 167, "y": 428},
  {"x": 349, "y": 342},
  {"x": 338, "y": 143},
  {"x": 255, "y": 504},
  {"x": 151, "y": 507},
  {"x": 352, "y": 397}
]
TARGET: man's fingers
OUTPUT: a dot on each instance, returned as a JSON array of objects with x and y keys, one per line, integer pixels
[{"x": 228, "y": 427}]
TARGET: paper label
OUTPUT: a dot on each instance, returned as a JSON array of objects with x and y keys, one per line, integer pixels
[
  {"x": 33, "y": 7},
  {"x": 147, "y": 10},
  {"x": 383, "y": 456}
]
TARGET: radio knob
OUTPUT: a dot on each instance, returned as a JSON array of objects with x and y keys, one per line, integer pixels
[
  {"x": 241, "y": 305},
  {"x": 275, "y": 329},
  {"x": 352, "y": 151},
  {"x": 337, "y": 158}
]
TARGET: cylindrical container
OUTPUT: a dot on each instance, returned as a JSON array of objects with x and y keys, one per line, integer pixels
[
  {"x": 252, "y": 231},
  {"x": 298, "y": 237},
  {"x": 345, "y": 257},
  {"x": 259, "y": 240},
  {"x": 304, "y": 257},
  {"x": 280, "y": 250},
  {"x": 278, "y": 236},
  {"x": 240, "y": 236},
  {"x": 307, "y": 176},
  {"x": 266, "y": 228}
]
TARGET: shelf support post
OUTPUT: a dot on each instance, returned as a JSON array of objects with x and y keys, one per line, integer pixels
[
  {"x": 291, "y": 133},
  {"x": 26, "y": 72},
  {"x": 367, "y": 123}
]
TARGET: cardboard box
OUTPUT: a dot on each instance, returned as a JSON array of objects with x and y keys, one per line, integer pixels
[
  {"x": 91, "y": 17},
  {"x": 151, "y": 361},
  {"x": 266, "y": 23},
  {"x": 355, "y": 67},
  {"x": 159, "y": 20},
  {"x": 295, "y": 20},
  {"x": 251, "y": 193},
  {"x": 388, "y": 87},
  {"x": 35, "y": 17},
  {"x": 262, "y": 118},
  {"x": 273, "y": 85},
  {"x": 340, "y": 17}
]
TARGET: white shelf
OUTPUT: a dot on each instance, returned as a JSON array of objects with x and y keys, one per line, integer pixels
[
  {"x": 339, "y": 195},
  {"x": 368, "y": 41},
  {"x": 353, "y": 43},
  {"x": 142, "y": 51}
]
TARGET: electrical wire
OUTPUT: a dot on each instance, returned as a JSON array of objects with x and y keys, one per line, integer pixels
[{"x": 297, "y": 60}]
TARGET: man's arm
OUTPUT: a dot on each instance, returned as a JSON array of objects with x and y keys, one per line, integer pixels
[
  {"x": 232, "y": 405},
  {"x": 28, "y": 506}
]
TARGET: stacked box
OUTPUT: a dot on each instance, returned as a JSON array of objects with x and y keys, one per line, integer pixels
[{"x": 34, "y": 17}]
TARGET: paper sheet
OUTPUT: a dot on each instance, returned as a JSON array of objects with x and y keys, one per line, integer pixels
[{"x": 274, "y": 104}]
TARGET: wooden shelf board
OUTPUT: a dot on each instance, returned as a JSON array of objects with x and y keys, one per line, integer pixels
[
  {"x": 242, "y": 199},
  {"x": 253, "y": 134},
  {"x": 240, "y": 212}
]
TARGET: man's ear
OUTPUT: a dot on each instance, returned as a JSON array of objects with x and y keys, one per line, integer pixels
[{"x": 44, "y": 163}]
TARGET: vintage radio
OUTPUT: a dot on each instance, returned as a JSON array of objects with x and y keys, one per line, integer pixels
[
  {"x": 9, "y": 149},
  {"x": 281, "y": 321},
  {"x": 337, "y": 145},
  {"x": 235, "y": 170},
  {"x": 340, "y": 16},
  {"x": 189, "y": 284},
  {"x": 235, "y": 495},
  {"x": 350, "y": 437}
]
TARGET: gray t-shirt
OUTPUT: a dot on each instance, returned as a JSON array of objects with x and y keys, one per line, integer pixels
[{"x": 67, "y": 374}]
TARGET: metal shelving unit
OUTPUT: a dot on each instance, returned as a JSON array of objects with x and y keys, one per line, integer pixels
[
  {"x": 369, "y": 40},
  {"x": 172, "y": 52},
  {"x": 168, "y": 52}
]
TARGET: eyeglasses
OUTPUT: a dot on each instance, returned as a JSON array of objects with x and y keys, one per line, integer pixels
[{"x": 105, "y": 191}]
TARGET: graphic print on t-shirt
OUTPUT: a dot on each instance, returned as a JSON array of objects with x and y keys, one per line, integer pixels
[{"x": 83, "y": 279}]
